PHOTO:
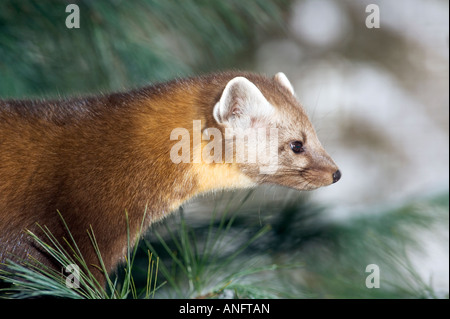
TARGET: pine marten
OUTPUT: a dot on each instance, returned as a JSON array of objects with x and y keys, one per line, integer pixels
[{"x": 93, "y": 159}]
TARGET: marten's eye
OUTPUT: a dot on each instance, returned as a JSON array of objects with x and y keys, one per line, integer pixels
[{"x": 297, "y": 147}]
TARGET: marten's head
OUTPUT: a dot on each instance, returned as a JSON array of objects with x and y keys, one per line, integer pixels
[{"x": 268, "y": 136}]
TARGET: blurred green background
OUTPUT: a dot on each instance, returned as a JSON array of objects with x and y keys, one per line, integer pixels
[{"x": 378, "y": 97}]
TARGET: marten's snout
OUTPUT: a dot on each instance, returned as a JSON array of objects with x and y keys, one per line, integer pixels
[{"x": 336, "y": 176}]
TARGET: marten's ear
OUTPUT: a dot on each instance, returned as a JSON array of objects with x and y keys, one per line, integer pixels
[
  {"x": 282, "y": 79},
  {"x": 242, "y": 105}
]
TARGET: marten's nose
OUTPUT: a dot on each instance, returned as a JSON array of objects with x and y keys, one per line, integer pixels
[{"x": 336, "y": 176}]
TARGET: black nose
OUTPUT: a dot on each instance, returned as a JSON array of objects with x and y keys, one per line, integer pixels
[{"x": 336, "y": 176}]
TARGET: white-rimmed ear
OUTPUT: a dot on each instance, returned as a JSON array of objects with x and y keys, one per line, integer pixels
[
  {"x": 242, "y": 105},
  {"x": 281, "y": 78}
]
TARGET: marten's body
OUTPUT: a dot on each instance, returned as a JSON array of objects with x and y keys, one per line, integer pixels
[{"x": 94, "y": 158}]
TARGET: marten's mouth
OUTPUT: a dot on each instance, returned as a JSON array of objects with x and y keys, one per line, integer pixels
[{"x": 312, "y": 179}]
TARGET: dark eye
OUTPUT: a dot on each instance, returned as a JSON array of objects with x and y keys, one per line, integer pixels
[{"x": 297, "y": 147}]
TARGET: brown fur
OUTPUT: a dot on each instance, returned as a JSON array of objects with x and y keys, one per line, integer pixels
[{"x": 94, "y": 158}]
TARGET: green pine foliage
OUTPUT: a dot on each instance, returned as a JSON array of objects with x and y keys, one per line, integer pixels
[
  {"x": 121, "y": 44},
  {"x": 287, "y": 252},
  {"x": 297, "y": 251}
]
